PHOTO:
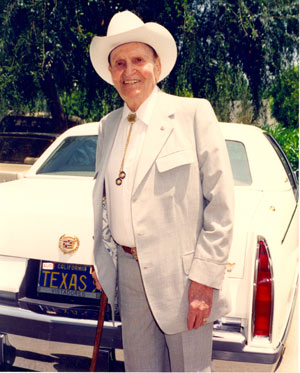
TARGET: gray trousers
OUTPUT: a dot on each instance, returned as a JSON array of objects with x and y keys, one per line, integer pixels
[{"x": 146, "y": 347}]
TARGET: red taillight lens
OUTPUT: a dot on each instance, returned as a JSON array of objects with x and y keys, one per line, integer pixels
[{"x": 264, "y": 289}]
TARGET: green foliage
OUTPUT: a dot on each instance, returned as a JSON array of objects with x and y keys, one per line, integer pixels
[
  {"x": 288, "y": 138},
  {"x": 77, "y": 103},
  {"x": 44, "y": 49},
  {"x": 233, "y": 49},
  {"x": 227, "y": 50},
  {"x": 285, "y": 98},
  {"x": 255, "y": 38}
]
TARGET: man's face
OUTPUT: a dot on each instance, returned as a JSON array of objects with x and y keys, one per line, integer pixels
[{"x": 135, "y": 71}]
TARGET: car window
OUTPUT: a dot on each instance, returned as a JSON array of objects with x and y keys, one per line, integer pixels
[
  {"x": 239, "y": 163},
  {"x": 19, "y": 149},
  {"x": 75, "y": 156}
]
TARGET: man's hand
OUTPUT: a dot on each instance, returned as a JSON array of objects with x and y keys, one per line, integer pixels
[
  {"x": 95, "y": 278},
  {"x": 200, "y": 303}
]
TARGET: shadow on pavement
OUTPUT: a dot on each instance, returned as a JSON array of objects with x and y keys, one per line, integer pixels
[{"x": 62, "y": 362}]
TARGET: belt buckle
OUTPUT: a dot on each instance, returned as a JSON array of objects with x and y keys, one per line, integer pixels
[{"x": 134, "y": 253}]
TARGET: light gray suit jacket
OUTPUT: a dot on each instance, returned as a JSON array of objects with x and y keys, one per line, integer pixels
[{"x": 182, "y": 208}]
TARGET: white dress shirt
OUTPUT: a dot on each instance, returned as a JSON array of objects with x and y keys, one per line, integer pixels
[{"x": 119, "y": 196}]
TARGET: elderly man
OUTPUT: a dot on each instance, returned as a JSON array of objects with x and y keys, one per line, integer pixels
[{"x": 163, "y": 167}]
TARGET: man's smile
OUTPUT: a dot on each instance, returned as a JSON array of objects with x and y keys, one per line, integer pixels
[{"x": 131, "y": 81}]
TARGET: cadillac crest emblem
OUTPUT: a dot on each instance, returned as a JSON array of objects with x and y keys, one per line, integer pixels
[{"x": 68, "y": 244}]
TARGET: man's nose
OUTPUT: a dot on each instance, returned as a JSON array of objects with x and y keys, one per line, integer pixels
[{"x": 130, "y": 68}]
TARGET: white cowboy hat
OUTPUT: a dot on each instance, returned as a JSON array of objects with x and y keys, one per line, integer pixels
[{"x": 126, "y": 27}]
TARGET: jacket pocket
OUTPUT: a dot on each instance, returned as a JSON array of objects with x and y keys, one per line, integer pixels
[
  {"x": 170, "y": 161},
  {"x": 187, "y": 260}
]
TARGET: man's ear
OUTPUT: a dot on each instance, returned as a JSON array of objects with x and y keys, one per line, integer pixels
[{"x": 157, "y": 68}]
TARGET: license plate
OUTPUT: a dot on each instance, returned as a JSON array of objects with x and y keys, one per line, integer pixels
[{"x": 66, "y": 279}]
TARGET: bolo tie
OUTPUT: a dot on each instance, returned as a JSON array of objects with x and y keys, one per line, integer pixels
[{"x": 122, "y": 174}]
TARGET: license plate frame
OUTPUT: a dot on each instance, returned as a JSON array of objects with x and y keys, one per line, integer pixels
[{"x": 67, "y": 280}]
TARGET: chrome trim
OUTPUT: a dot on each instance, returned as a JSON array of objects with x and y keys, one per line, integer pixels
[
  {"x": 290, "y": 222},
  {"x": 8, "y": 295},
  {"x": 261, "y": 238}
]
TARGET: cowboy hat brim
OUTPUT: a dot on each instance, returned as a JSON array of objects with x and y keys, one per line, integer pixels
[{"x": 152, "y": 34}]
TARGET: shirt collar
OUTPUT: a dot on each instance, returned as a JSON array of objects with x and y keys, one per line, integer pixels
[{"x": 144, "y": 112}]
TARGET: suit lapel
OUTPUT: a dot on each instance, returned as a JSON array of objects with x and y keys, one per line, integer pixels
[
  {"x": 110, "y": 127},
  {"x": 157, "y": 134}
]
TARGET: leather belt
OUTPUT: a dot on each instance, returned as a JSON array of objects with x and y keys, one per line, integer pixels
[{"x": 131, "y": 250}]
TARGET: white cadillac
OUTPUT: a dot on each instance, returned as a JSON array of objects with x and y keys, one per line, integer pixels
[{"x": 46, "y": 240}]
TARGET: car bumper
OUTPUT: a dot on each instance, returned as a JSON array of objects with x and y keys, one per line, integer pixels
[
  {"x": 58, "y": 329},
  {"x": 227, "y": 345},
  {"x": 232, "y": 346}
]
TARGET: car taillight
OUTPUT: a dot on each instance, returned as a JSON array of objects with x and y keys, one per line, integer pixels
[{"x": 263, "y": 294}]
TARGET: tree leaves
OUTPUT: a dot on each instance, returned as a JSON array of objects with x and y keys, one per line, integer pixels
[
  {"x": 228, "y": 50},
  {"x": 285, "y": 98}
]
